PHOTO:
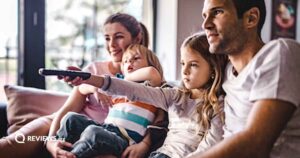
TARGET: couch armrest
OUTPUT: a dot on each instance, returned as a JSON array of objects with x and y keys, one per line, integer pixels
[{"x": 3, "y": 120}]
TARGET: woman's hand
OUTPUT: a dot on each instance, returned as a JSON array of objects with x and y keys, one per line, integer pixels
[
  {"x": 136, "y": 150},
  {"x": 56, "y": 148}
]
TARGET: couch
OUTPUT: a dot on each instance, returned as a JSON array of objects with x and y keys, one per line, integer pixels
[
  {"x": 3, "y": 120},
  {"x": 25, "y": 104}
]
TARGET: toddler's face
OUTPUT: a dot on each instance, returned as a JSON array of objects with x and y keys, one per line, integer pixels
[{"x": 132, "y": 61}]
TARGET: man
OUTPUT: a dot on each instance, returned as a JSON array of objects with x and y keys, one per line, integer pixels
[{"x": 262, "y": 116}]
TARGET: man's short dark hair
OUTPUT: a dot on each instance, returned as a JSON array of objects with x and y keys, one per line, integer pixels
[{"x": 244, "y": 5}]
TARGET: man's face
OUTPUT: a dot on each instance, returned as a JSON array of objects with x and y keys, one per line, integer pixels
[{"x": 223, "y": 28}]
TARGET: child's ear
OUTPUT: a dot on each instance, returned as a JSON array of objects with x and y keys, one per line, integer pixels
[{"x": 251, "y": 18}]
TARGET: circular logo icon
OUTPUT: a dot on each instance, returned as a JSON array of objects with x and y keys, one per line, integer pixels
[{"x": 20, "y": 138}]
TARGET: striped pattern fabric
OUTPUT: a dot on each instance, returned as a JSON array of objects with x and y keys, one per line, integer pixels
[{"x": 133, "y": 116}]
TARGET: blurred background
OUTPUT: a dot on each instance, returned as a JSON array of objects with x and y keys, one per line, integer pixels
[{"x": 58, "y": 33}]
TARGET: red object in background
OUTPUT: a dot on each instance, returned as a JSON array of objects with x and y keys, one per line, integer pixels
[{"x": 284, "y": 19}]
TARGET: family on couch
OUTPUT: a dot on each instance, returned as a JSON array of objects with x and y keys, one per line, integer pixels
[{"x": 261, "y": 115}]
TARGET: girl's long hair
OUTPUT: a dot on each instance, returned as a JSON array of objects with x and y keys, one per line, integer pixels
[{"x": 213, "y": 88}]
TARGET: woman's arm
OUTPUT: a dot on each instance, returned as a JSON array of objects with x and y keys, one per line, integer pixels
[
  {"x": 145, "y": 74},
  {"x": 74, "y": 103}
]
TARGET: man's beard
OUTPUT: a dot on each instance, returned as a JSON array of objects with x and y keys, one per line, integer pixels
[{"x": 219, "y": 48}]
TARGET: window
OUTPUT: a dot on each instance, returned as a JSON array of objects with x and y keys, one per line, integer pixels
[
  {"x": 8, "y": 45},
  {"x": 74, "y": 35}
]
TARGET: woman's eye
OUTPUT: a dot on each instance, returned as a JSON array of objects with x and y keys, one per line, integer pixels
[
  {"x": 107, "y": 39},
  {"x": 194, "y": 65},
  {"x": 119, "y": 37},
  {"x": 182, "y": 64}
]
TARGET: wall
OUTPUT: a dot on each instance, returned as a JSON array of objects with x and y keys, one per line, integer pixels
[
  {"x": 166, "y": 36},
  {"x": 189, "y": 21},
  {"x": 176, "y": 19}
]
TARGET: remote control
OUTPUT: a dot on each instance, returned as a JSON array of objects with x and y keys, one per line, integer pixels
[{"x": 70, "y": 73}]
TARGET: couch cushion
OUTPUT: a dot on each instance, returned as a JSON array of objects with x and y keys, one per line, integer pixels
[{"x": 26, "y": 104}]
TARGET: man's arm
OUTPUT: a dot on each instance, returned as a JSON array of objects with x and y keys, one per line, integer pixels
[{"x": 266, "y": 121}]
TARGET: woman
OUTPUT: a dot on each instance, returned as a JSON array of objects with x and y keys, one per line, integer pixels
[{"x": 120, "y": 31}]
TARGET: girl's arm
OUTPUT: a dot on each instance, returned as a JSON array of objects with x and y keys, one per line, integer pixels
[
  {"x": 145, "y": 74},
  {"x": 159, "y": 97}
]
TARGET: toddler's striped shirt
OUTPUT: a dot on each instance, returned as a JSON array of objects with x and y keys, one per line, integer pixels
[{"x": 133, "y": 116}]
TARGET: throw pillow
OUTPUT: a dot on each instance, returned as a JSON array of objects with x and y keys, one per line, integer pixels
[{"x": 26, "y": 104}]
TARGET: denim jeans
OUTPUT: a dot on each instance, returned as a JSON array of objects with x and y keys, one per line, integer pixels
[
  {"x": 156, "y": 154},
  {"x": 90, "y": 138}
]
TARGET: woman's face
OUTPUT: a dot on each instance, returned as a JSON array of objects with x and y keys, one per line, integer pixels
[
  {"x": 195, "y": 70},
  {"x": 117, "y": 40}
]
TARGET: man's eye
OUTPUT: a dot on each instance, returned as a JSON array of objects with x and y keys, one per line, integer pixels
[{"x": 216, "y": 12}]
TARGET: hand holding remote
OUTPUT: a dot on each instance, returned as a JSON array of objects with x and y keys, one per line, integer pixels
[{"x": 70, "y": 73}]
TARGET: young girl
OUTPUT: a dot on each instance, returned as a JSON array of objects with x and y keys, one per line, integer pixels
[
  {"x": 127, "y": 121},
  {"x": 195, "y": 113}
]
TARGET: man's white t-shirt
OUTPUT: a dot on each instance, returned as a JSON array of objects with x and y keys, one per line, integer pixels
[{"x": 273, "y": 73}]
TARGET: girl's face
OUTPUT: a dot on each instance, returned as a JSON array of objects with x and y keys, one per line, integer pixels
[
  {"x": 133, "y": 61},
  {"x": 117, "y": 40},
  {"x": 195, "y": 70}
]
